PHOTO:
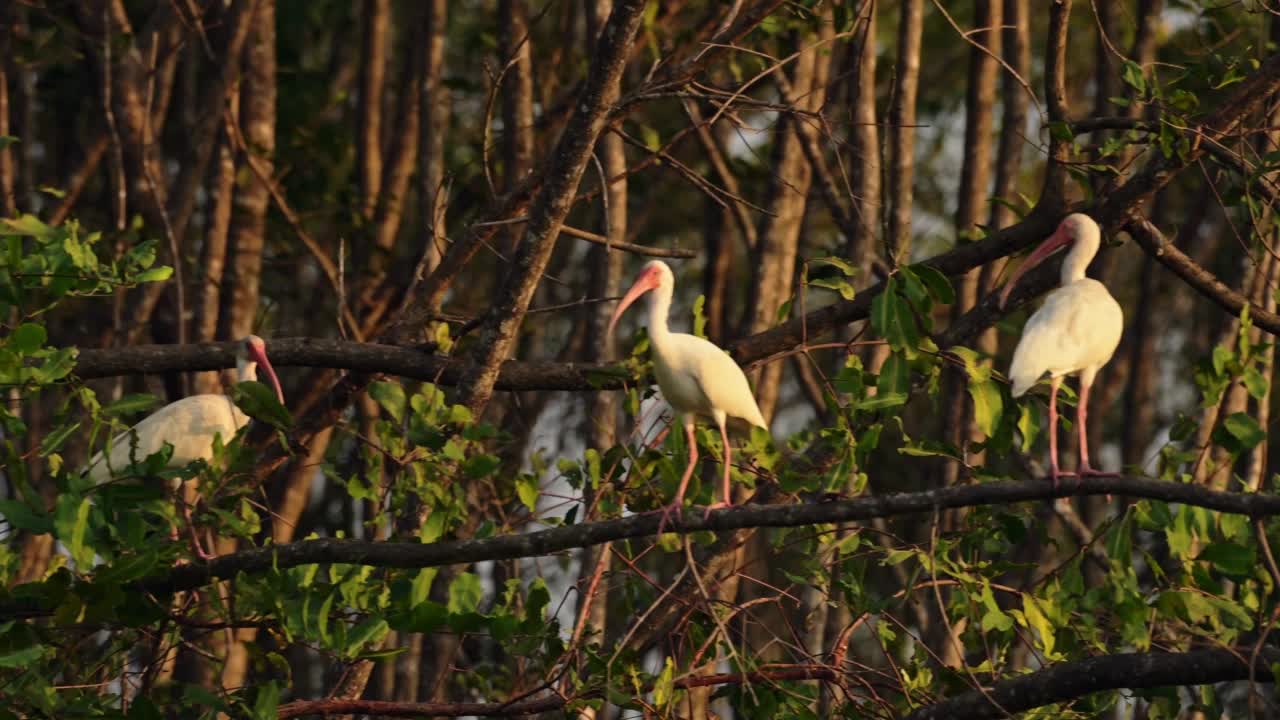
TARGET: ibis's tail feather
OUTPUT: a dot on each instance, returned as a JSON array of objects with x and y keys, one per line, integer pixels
[{"x": 1022, "y": 373}]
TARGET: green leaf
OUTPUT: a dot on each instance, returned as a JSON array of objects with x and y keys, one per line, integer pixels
[
  {"x": 22, "y": 517},
  {"x": 663, "y": 688},
  {"x": 1245, "y": 429},
  {"x": 891, "y": 317},
  {"x": 1255, "y": 383},
  {"x": 528, "y": 488},
  {"x": 988, "y": 405},
  {"x": 938, "y": 285},
  {"x": 268, "y": 699},
  {"x": 259, "y": 401},
  {"x": 390, "y": 395},
  {"x": 895, "y": 376},
  {"x": 844, "y": 266},
  {"x": 26, "y": 225},
  {"x": 700, "y": 317},
  {"x": 26, "y": 338},
  {"x": 420, "y": 588},
  {"x": 478, "y": 466},
  {"x": 840, "y": 285},
  {"x": 130, "y": 404},
  {"x": 71, "y": 521},
  {"x": 1036, "y": 620},
  {"x": 53, "y": 441},
  {"x": 22, "y": 658},
  {"x": 465, "y": 593},
  {"x": 369, "y": 632},
  {"x": 1230, "y": 558},
  {"x": 1133, "y": 77},
  {"x": 1028, "y": 426},
  {"x": 155, "y": 274}
]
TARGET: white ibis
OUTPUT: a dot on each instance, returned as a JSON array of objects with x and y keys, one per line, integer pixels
[
  {"x": 189, "y": 425},
  {"x": 1076, "y": 330},
  {"x": 696, "y": 377}
]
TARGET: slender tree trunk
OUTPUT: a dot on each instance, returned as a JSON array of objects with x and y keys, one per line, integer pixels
[
  {"x": 517, "y": 91},
  {"x": 213, "y": 255},
  {"x": 975, "y": 177},
  {"x": 902, "y": 132},
  {"x": 772, "y": 285},
  {"x": 248, "y": 227},
  {"x": 434, "y": 127},
  {"x": 606, "y": 281},
  {"x": 775, "y": 263},
  {"x": 864, "y": 144},
  {"x": 249, "y": 212},
  {"x": 1016, "y": 49},
  {"x": 8, "y": 171},
  {"x": 373, "y": 72}
]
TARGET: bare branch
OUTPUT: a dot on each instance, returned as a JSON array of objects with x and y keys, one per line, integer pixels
[{"x": 1070, "y": 680}]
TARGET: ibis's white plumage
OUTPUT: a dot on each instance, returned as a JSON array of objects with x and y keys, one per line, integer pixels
[
  {"x": 1076, "y": 330},
  {"x": 695, "y": 376},
  {"x": 189, "y": 424}
]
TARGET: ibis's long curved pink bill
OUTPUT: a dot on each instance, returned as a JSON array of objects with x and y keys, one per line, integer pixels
[
  {"x": 642, "y": 285},
  {"x": 1055, "y": 241},
  {"x": 259, "y": 355}
]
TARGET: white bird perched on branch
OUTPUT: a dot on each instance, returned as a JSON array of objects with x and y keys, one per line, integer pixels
[
  {"x": 189, "y": 425},
  {"x": 1076, "y": 330},
  {"x": 696, "y": 377}
]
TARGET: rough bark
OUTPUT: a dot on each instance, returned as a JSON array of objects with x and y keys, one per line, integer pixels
[
  {"x": 517, "y": 91},
  {"x": 213, "y": 254},
  {"x": 498, "y": 331},
  {"x": 257, "y": 125},
  {"x": 8, "y": 170},
  {"x": 775, "y": 258},
  {"x": 902, "y": 133},
  {"x": 975, "y": 178},
  {"x": 375, "y": 49},
  {"x": 864, "y": 157},
  {"x": 1016, "y": 49},
  {"x": 434, "y": 127}
]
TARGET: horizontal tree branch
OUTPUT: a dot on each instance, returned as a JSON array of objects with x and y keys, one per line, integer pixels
[
  {"x": 1058, "y": 683},
  {"x": 385, "y": 708},
  {"x": 546, "y": 542},
  {"x": 1070, "y": 680}
]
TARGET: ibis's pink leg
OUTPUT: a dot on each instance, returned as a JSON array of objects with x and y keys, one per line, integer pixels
[
  {"x": 195, "y": 539},
  {"x": 1054, "y": 384},
  {"x": 1082, "y": 415},
  {"x": 726, "y": 493},
  {"x": 678, "y": 504}
]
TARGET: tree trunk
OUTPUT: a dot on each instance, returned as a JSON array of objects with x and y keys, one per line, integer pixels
[
  {"x": 213, "y": 255},
  {"x": 902, "y": 132},
  {"x": 373, "y": 72},
  {"x": 249, "y": 212},
  {"x": 975, "y": 177}
]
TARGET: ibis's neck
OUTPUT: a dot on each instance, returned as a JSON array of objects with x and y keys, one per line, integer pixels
[
  {"x": 1079, "y": 257},
  {"x": 247, "y": 370},
  {"x": 659, "y": 309}
]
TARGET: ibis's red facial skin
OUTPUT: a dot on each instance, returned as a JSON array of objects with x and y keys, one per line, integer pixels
[
  {"x": 257, "y": 352},
  {"x": 1059, "y": 239},
  {"x": 648, "y": 280}
]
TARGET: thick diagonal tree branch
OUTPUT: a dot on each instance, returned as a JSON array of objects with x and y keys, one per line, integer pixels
[
  {"x": 1201, "y": 280},
  {"x": 550, "y": 206}
]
